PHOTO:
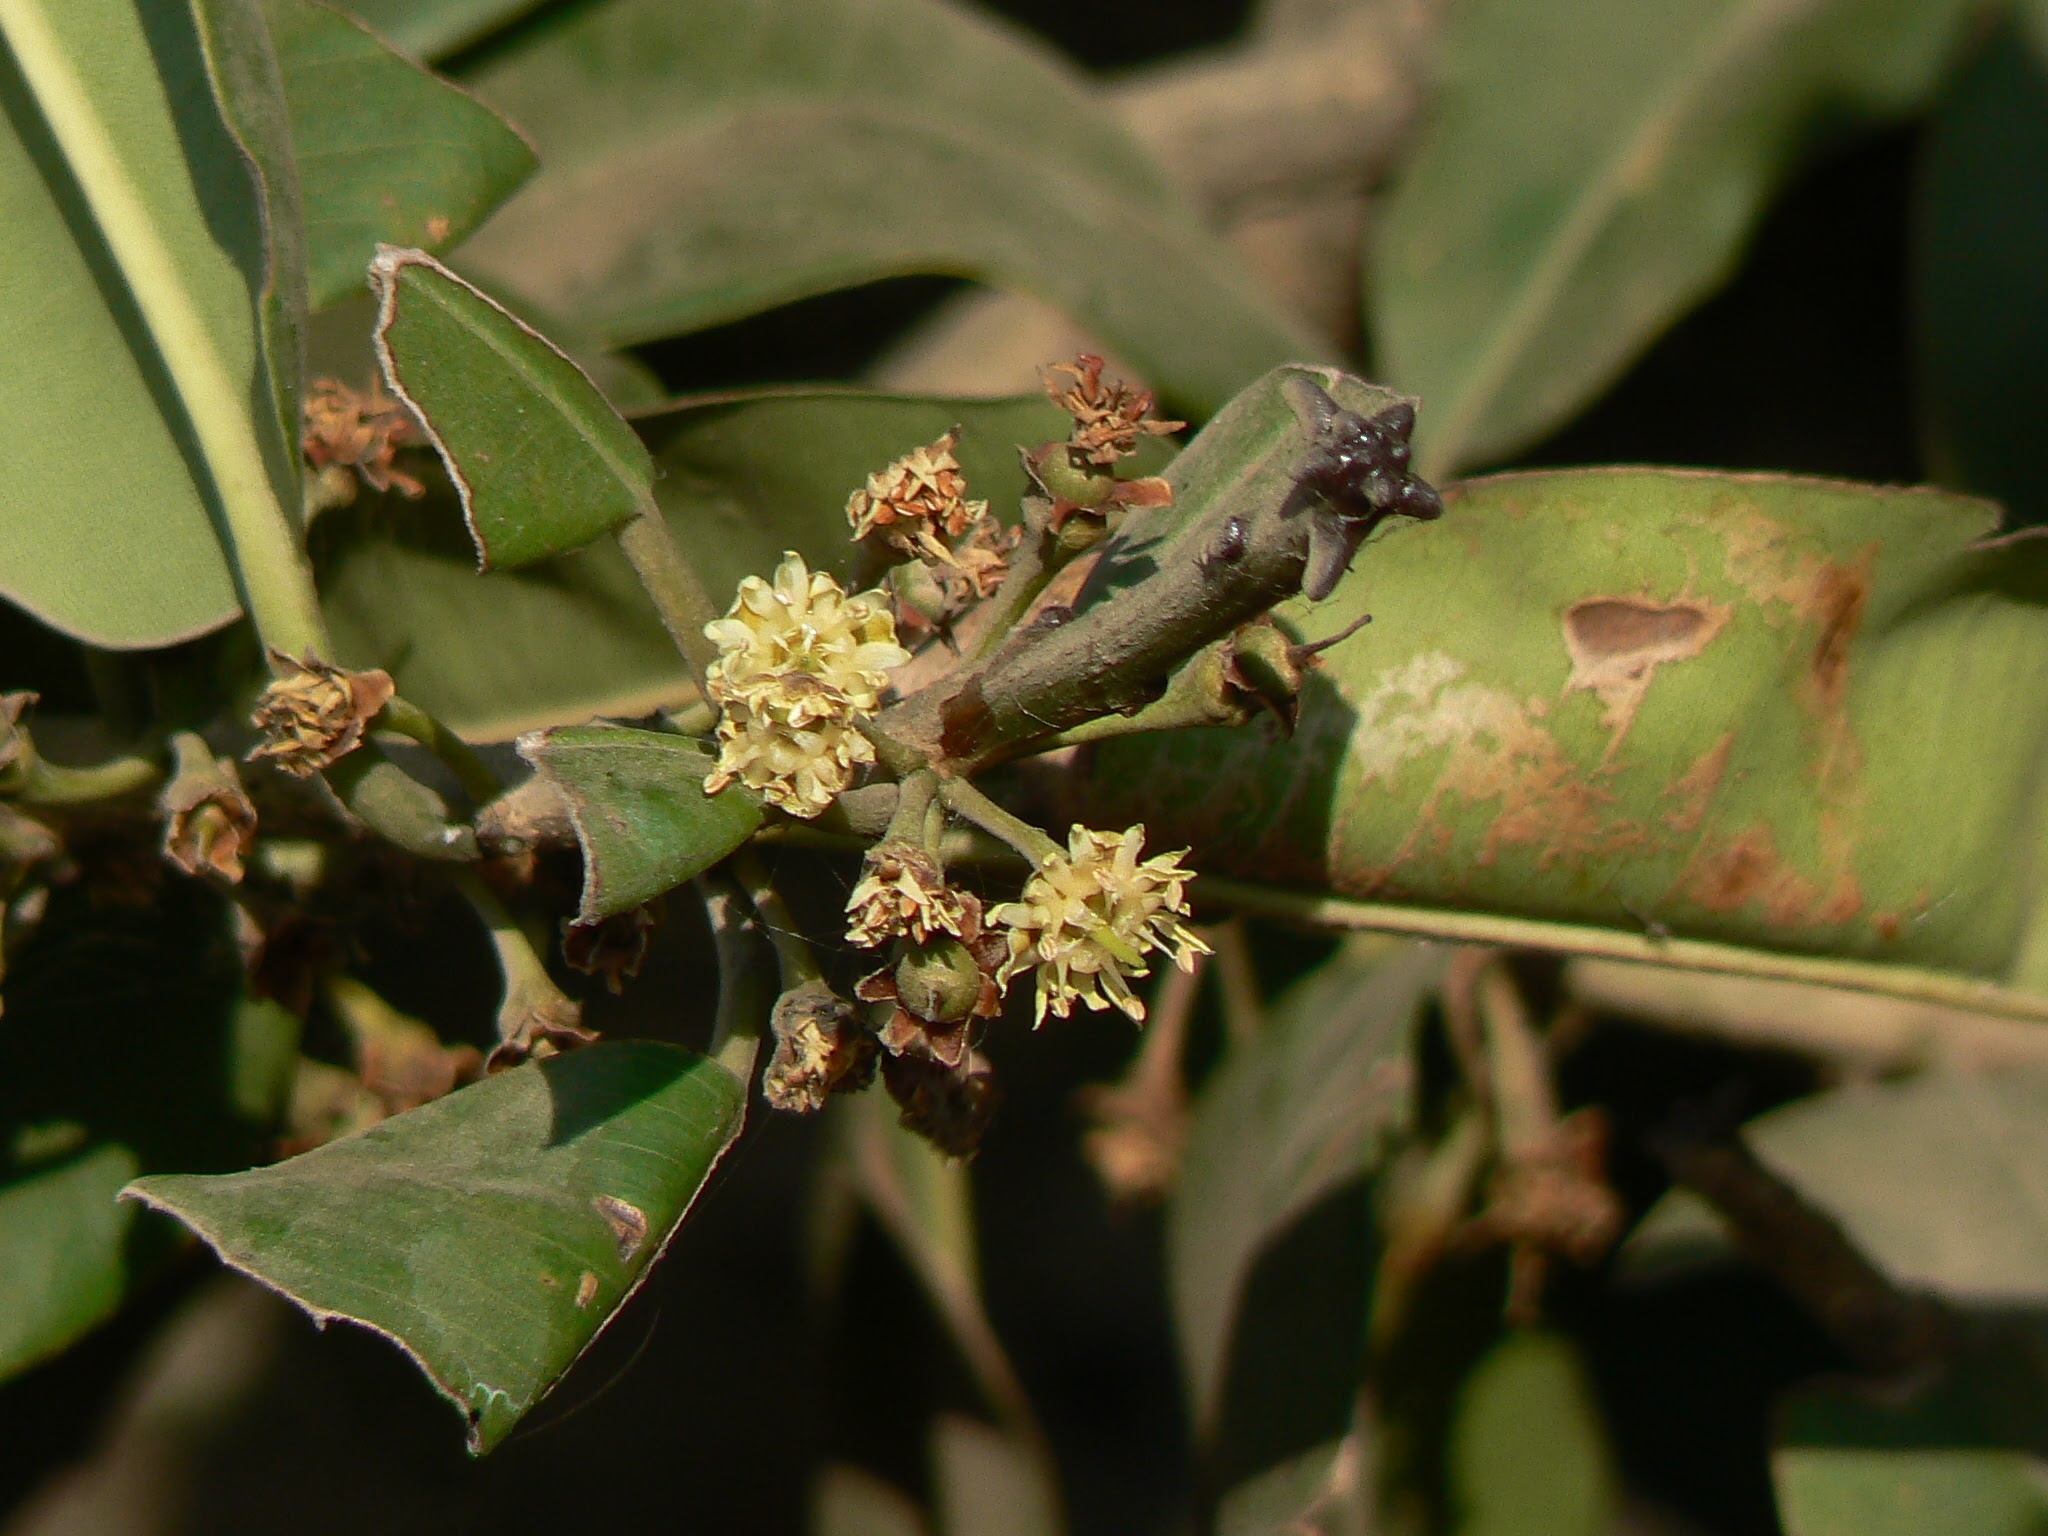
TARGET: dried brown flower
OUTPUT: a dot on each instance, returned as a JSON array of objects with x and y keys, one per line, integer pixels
[
  {"x": 358, "y": 430},
  {"x": 614, "y": 947},
  {"x": 315, "y": 714},
  {"x": 949, "y": 1106},
  {"x": 914, "y": 500},
  {"x": 1109, "y": 418},
  {"x": 209, "y": 821},
  {"x": 820, "y": 1045},
  {"x": 16, "y": 753}
]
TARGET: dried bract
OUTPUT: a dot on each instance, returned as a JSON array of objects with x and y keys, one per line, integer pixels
[
  {"x": 358, "y": 430},
  {"x": 1109, "y": 418},
  {"x": 314, "y": 714},
  {"x": 531, "y": 1027},
  {"x": 916, "y": 500},
  {"x": 1088, "y": 918},
  {"x": 819, "y": 1045}
]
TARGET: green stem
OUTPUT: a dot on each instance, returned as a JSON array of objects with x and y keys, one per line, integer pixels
[
  {"x": 1517, "y": 1066},
  {"x": 1036, "y": 560},
  {"x": 529, "y": 991},
  {"x": 913, "y": 803},
  {"x": 409, "y": 720},
  {"x": 398, "y": 808},
  {"x": 1613, "y": 944},
  {"x": 270, "y": 563},
  {"x": 679, "y": 597},
  {"x": 976, "y": 807},
  {"x": 793, "y": 955},
  {"x": 743, "y": 1001},
  {"x": 50, "y": 784}
]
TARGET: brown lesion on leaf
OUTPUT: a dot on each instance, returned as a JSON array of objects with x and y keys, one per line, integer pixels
[
  {"x": 1747, "y": 870},
  {"x": 1692, "y": 792},
  {"x": 1617, "y": 643},
  {"x": 586, "y": 1289},
  {"x": 627, "y": 1221}
]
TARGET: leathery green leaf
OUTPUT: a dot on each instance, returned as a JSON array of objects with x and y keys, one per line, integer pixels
[
  {"x": 1295, "y": 1112},
  {"x": 1528, "y": 1453},
  {"x": 541, "y": 460},
  {"x": 1788, "y": 714},
  {"x": 1961, "y": 1456},
  {"x": 387, "y": 152},
  {"x": 132, "y": 1052},
  {"x": 637, "y": 799},
  {"x": 1592, "y": 170},
  {"x": 725, "y": 156},
  {"x": 489, "y": 1234},
  {"x": 433, "y": 29},
  {"x": 1937, "y": 1178},
  {"x": 743, "y": 478},
  {"x": 151, "y": 312}
]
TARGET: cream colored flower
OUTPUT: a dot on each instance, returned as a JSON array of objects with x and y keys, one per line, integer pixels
[
  {"x": 915, "y": 499},
  {"x": 804, "y": 626},
  {"x": 903, "y": 892},
  {"x": 799, "y": 663},
  {"x": 1088, "y": 918},
  {"x": 799, "y": 768}
]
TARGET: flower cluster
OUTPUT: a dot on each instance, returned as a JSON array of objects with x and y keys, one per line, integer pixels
[
  {"x": 1088, "y": 918},
  {"x": 1108, "y": 418},
  {"x": 800, "y": 662},
  {"x": 914, "y": 500}
]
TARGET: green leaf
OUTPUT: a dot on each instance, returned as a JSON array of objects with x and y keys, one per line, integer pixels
[
  {"x": 541, "y": 460},
  {"x": 1963, "y": 1456},
  {"x": 1937, "y": 1179},
  {"x": 1980, "y": 278},
  {"x": 743, "y": 478},
  {"x": 988, "y": 1485},
  {"x": 433, "y": 29},
  {"x": 1321, "y": 1490},
  {"x": 1750, "y": 709},
  {"x": 62, "y": 1236},
  {"x": 641, "y": 814},
  {"x": 725, "y": 156},
  {"x": 387, "y": 152},
  {"x": 1528, "y": 1454},
  {"x": 151, "y": 312},
  {"x": 850, "y": 1502},
  {"x": 130, "y": 1050},
  {"x": 1301, "y": 1109},
  {"x": 491, "y": 1233},
  {"x": 1590, "y": 171}
]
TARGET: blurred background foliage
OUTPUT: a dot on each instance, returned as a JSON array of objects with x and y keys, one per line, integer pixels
[{"x": 1848, "y": 278}]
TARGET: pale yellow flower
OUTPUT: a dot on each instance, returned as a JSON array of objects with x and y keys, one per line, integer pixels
[
  {"x": 1089, "y": 917},
  {"x": 803, "y": 624},
  {"x": 799, "y": 768},
  {"x": 799, "y": 663}
]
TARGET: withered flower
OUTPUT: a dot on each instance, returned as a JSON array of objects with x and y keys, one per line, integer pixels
[
  {"x": 534, "y": 1025},
  {"x": 315, "y": 714},
  {"x": 1088, "y": 918},
  {"x": 16, "y": 752},
  {"x": 209, "y": 821},
  {"x": 916, "y": 499},
  {"x": 1109, "y": 418},
  {"x": 819, "y": 1045},
  {"x": 362, "y": 431},
  {"x": 902, "y": 892},
  {"x": 614, "y": 947},
  {"x": 949, "y": 1106}
]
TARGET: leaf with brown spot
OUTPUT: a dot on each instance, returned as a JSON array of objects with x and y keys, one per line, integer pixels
[{"x": 1750, "y": 709}]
